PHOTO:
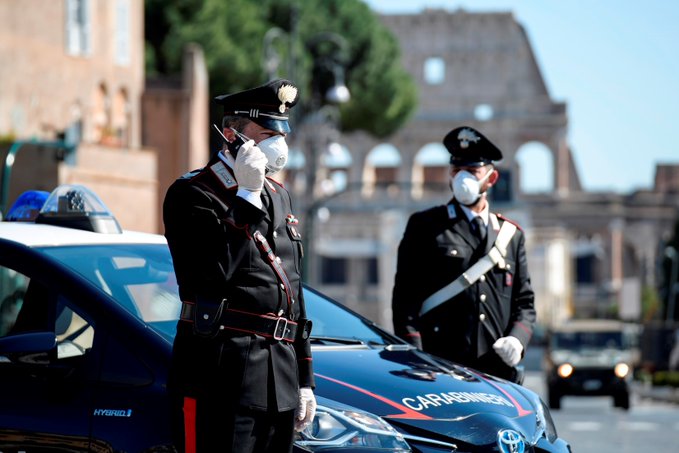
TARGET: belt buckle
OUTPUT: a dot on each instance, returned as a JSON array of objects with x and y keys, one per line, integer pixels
[
  {"x": 187, "y": 311},
  {"x": 276, "y": 328}
]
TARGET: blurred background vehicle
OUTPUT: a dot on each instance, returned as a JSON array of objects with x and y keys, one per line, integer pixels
[{"x": 591, "y": 357}]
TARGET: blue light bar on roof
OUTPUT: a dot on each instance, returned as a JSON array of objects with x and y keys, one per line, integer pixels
[{"x": 27, "y": 206}]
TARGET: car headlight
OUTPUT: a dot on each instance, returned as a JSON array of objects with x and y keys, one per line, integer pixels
[
  {"x": 351, "y": 429},
  {"x": 621, "y": 370},
  {"x": 565, "y": 370},
  {"x": 545, "y": 422}
]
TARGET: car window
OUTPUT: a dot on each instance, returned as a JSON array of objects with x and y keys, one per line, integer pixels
[
  {"x": 580, "y": 340},
  {"x": 140, "y": 277},
  {"x": 75, "y": 335},
  {"x": 12, "y": 291},
  {"x": 29, "y": 305}
]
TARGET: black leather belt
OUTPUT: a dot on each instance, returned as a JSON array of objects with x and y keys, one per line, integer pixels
[{"x": 278, "y": 328}]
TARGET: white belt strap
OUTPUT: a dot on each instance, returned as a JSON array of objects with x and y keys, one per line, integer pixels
[{"x": 494, "y": 257}]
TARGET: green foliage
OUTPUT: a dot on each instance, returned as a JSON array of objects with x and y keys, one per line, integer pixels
[
  {"x": 650, "y": 303},
  {"x": 669, "y": 378},
  {"x": 8, "y": 138},
  {"x": 231, "y": 33}
]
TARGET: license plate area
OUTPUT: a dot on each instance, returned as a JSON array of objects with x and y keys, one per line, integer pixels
[{"x": 591, "y": 385}]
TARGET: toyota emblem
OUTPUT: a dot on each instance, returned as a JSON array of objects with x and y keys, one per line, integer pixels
[{"x": 509, "y": 441}]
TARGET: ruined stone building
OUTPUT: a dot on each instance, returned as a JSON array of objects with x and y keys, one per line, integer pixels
[
  {"x": 590, "y": 254},
  {"x": 73, "y": 74}
]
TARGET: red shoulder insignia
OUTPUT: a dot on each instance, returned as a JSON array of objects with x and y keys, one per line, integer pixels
[
  {"x": 500, "y": 216},
  {"x": 278, "y": 183}
]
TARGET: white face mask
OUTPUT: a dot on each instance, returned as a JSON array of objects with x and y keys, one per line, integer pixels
[
  {"x": 276, "y": 151},
  {"x": 466, "y": 188}
]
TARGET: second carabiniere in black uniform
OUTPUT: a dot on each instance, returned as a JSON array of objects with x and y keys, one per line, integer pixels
[{"x": 462, "y": 289}]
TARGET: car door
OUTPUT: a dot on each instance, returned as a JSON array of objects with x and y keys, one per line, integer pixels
[{"x": 48, "y": 364}]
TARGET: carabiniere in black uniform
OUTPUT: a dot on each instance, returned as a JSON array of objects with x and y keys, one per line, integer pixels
[
  {"x": 438, "y": 250},
  {"x": 213, "y": 266},
  {"x": 438, "y": 245},
  {"x": 243, "y": 340}
]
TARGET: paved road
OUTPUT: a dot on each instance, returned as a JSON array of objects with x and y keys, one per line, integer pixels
[{"x": 593, "y": 425}]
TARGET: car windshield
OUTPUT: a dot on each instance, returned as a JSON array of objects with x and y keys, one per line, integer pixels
[
  {"x": 332, "y": 322},
  {"x": 588, "y": 340},
  {"x": 140, "y": 277}
]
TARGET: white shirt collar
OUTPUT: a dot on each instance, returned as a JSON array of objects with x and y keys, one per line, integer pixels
[{"x": 471, "y": 214}]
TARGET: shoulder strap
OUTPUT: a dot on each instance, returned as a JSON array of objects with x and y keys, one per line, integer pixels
[
  {"x": 464, "y": 281},
  {"x": 273, "y": 261},
  {"x": 505, "y": 235}
]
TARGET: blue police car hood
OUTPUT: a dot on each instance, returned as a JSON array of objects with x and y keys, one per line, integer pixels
[{"x": 420, "y": 393}]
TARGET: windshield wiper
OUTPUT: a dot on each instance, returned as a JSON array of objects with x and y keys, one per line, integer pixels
[{"x": 317, "y": 339}]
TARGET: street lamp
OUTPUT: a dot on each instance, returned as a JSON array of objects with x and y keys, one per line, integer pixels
[
  {"x": 322, "y": 116},
  {"x": 328, "y": 91},
  {"x": 338, "y": 93},
  {"x": 17, "y": 146},
  {"x": 272, "y": 59},
  {"x": 671, "y": 253},
  {"x": 328, "y": 50}
]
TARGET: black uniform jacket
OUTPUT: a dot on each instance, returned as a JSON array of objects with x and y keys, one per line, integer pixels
[
  {"x": 210, "y": 233},
  {"x": 438, "y": 246}
]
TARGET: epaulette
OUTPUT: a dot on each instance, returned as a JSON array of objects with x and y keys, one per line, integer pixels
[
  {"x": 191, "y": 174},
  {"x": 450, "y": 209},
  {"x": 500, "y": 216},
  {"x": 224, "y": 175}
]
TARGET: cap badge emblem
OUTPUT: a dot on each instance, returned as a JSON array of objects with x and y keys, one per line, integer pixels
[
  {"x": 465, "y": 136},
  {"x": 286, "y": 94}
]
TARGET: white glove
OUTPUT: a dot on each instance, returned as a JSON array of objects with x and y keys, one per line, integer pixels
[
  {"x": 509, "y": 349},
  {"x": 306, "y": 409},
  {"x": 249, "y": 167}
]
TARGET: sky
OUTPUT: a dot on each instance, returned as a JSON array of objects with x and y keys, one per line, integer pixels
[{"x": 615, "y": 63}]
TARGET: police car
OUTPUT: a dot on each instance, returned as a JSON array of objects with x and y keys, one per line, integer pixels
[{"x": 87, "y": 317}]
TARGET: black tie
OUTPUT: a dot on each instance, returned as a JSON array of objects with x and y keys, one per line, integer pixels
[{"x": 479, "y": 228}]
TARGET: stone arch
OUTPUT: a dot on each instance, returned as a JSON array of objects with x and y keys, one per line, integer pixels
[
  {"x": 336, "y": 162},
  {"x": 535, "y": 165},
  {"x": 381, "y": 167},
  {"x": 431, "y": 167},
  {"x": 294, "y": 175},
  {"x": 554, "y": 165}
]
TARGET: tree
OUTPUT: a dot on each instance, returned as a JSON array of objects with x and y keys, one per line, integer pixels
[{"x": 231, "y": 33}]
